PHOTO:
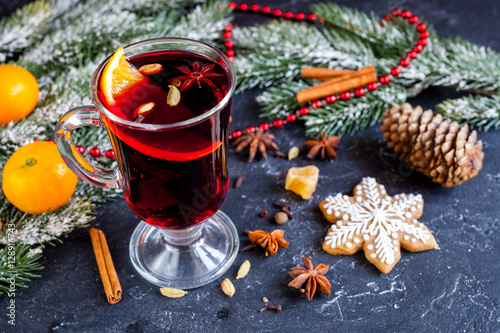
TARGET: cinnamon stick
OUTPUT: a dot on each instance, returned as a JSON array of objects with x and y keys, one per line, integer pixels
[
  {"x": 323, "y": 73},
  {"x": 110, "y": 281},
  {"x": 339, "y": 84}
]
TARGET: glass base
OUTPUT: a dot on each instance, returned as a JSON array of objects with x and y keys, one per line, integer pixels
[{"x": 187, "y": 258}]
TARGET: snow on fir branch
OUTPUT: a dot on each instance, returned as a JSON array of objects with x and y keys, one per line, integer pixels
[{"x": 26, "y": 266}]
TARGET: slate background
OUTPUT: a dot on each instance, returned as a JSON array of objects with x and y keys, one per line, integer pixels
[{"x": 451, "y": 289}]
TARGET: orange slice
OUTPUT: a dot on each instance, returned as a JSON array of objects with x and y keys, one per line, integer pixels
[{"x": 118, "y": 77}]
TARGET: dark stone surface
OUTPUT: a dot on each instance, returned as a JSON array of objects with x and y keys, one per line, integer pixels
[{"x": 451, "y": 289}]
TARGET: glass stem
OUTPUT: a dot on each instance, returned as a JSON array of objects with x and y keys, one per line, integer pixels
[{"x": 182, "y": 236}]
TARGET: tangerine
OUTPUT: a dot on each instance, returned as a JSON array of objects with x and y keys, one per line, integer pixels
[
  {"x": 36, "y": 180},
  {"x": 18, "y": 93}
]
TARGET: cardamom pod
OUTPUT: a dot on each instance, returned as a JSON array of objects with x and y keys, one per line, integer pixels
[
  {"x": 172, "y": 292},
  {"x": 228, "y": 287},
  {"x": 244, "y": 269},
  {"x": 174, "y": 96},
  {"x": 293, "y": 152}
]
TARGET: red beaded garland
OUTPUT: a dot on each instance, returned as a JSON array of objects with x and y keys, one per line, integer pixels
[
  {"x": 250, "y": 128},
  {"x": 395, "y": 71},
  {"x": 303, "y": 110},
  {"x": 331, "y": 99},
  {"x": 229, "y": 26},
  {"x": 405, "y": 13},
  {"x": 95, "y": 152},
  {"x": 278, "y": 123},
  {"x": 421, "y": 27},
  {"x": 385, "y": 79},
  {"x": 110, "y": 153},
  {"x": 264, "y": 126},
  {"x": 50, "y": 140},
  {"x": 80, "y": 149},
  {"x": 359, "y": 92},
  {"x": 372, "y": 86},
  {"x": 345, "y": 96}
]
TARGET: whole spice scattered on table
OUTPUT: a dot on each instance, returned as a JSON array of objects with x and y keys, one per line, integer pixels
[
  {"x": 271, "y": 241},
  {"x": 285, "y": 207},
  {"x": 172, "y": 292},
  {"x": 323, "y": 147},
  {"x": 256, "y": 140},
  {"x": 309, "y": 278}
]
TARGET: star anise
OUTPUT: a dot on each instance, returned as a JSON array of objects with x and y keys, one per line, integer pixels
[
  {"x": 271, "y": 241},
  {"x": 198, "y": 74},
  {"x": 308, "y": 279},
  {"x": 258, "y": 140},
  {"x": 324, "y": 147}
]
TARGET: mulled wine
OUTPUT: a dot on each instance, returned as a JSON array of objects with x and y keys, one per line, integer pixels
[{"x": 172, "y": 177}]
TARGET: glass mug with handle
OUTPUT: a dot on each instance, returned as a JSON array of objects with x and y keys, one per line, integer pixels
[{"x": 171, "y": 158}]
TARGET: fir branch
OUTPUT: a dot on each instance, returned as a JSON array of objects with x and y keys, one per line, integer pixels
[
  {"x": 26, "y": 264},
  {"x": 275, "y": 53},
  {"x": 479, "y": 112},
  {"x": 350, "y": 116},
  {"x": 20, "y": 29},
  {"x": 280, "y": 101}
]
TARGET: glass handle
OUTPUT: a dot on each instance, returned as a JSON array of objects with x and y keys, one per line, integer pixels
[{"x": 70, "y": 121}]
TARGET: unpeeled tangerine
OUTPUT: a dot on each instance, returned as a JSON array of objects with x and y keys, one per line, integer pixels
[{"x": 302, "y": 181}]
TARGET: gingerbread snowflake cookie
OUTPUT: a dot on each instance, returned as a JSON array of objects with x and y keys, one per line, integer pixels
[{"x": 377, "y": 223}]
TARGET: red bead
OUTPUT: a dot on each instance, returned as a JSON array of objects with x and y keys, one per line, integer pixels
[
  {"x": 243, "y": 6},
  {"x": 36, "y": 140},
  {"x": 413, "y": 19},
  {"x": 395, "y": 71},
  {"x": 236, "y": 134},
  {"x": 387, "y": 18},
  {"x": 95, "y": 152},
  {"x": 421, "y": 27},
  {"x": 300, "y": 16},
  {"x": 316, "y": 104},
  {"x": 345, "y": 96},
  {"x": 229, "y": 44},
  {"x": 278, "y": 123},
  {"x": 412, "y": 54},
  {"x": 50, "y": 140},
  {"x": 396, "y": 12},
  {"x": 266, "y": 9},
  {"x": 404, "y": 62},
  {"x": 80, "y": 149},
  {"x": 359, "y": 92},
  {"x": 381, "y": 24},
  {"x": 405, "y": 13},
  {"x": 331, "y": 99},
  {"x": 372, "y": 86},
  {"x": 425, "y": 34},
  {"x": 321, "y": 19},
  {"x": 288, "y": 14},
  {"x": 254, "y": 7},
  {"x": 385, "y": 79},
  {"x": 230, "y": 53},
  {"x": 418, "y": 48},
  {"x": 291, "y": 117},
  {"x": 227, "y": 34},
  {"x": 232, "y": 5},
  {"x": 264, "y": 126},
  {"x": 110, "y": 153},
  {"x": 277, "y": 12},
  {"x": 303, "y": 110},
  {"x": 422, "y": 41},
  {"x": 229, "y": 27},
  {"x": 231, "y": 59},
  {"x": 312, "y": 17},
  {"x": 250, "y": 128}
]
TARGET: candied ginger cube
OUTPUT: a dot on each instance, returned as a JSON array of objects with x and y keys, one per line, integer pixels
[{"x": 302, "y": 181}]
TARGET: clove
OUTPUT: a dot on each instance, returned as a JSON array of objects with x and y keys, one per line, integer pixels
[
  {"x": 239, "y": 180},
  {"x": 285, "y": 208},
  {"x": 276, "y": 308}
]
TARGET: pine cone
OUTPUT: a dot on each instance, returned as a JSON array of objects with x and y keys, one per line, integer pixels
[{"x": 440, "y": 149}]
